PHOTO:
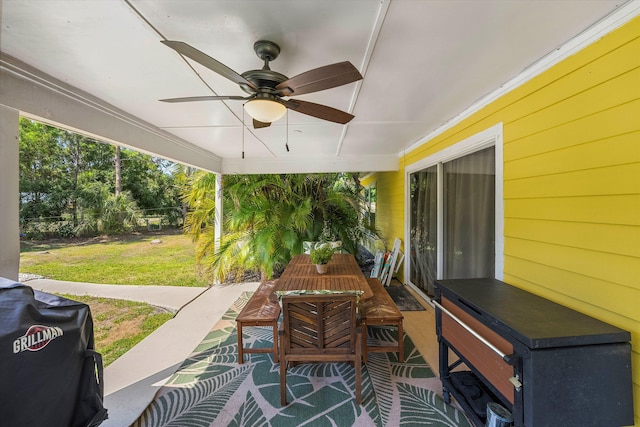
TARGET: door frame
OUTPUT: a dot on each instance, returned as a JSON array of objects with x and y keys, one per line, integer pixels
[{"x": 490, "y": 137}]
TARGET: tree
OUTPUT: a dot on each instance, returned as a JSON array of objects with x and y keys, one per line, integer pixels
[
  {"x": 118, "y": 171},
  {"x": 181, "y": 178},
  {"x": 152, "y": 183},
  {"x": 66, "y": 178},
  {"x": 43, "y": 187},
  {"x": 268, "y": 217}
]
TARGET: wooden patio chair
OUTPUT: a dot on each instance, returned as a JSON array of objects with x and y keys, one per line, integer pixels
[{"x": 320, "y": 328}]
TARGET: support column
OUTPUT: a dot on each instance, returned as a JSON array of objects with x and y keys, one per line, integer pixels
[{"x": 9, "y": 193}]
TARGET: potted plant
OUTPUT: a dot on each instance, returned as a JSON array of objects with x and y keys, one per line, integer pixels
[{"x": 320, "y": 256}]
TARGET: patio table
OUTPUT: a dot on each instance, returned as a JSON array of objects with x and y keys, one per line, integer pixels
[
  {"x": 343, "y": 274},
  {"x": 335, "y": 259}
]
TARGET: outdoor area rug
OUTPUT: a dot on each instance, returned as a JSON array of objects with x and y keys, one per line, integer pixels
[
  {"x": 212, "y": 389},
  {"x": 403, "y": 298}
]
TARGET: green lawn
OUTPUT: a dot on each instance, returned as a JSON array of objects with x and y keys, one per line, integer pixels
[
  {"x": 122, "y": 260},
  {"x": 119, "y": 325}
]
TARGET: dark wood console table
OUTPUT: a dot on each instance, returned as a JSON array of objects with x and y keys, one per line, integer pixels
[{"x": 549, "y": 365}]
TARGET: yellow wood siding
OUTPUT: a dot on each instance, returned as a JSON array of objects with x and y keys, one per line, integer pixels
[
  {"x": 368, "y": 180},
  {"x": 390, "y": 214},
  {"x": 571, "y": 182}
]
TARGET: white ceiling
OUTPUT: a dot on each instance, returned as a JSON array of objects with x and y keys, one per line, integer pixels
[{"x": 424, "y": 62}]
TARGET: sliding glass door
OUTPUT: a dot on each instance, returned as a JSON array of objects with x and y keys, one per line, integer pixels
[
  {"x": 469, "y": 216},
  {"x": 452, "y": 220},
  {"x": 423, "y": 233}
]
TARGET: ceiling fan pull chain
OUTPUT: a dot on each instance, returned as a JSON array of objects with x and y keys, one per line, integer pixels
[
  {"x": 286, "y": 143},
  {"x": 243, "y": 133}
]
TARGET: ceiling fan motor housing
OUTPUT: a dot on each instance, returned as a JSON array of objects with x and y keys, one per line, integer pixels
[{"x": 262, "y": 79}]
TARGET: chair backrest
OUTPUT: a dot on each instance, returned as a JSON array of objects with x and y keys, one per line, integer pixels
[
  {"x": 308, "y": 246},
  {"x": 319, "y": 324}
]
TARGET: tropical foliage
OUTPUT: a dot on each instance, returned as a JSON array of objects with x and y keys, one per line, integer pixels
[
  {"x": 69, "y": 180},
  {"x": 266, "y": 218},
  {"x": 108, "y": 214}
]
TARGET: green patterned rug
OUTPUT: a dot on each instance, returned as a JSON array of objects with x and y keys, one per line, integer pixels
[{"x": 212, "y": 389}]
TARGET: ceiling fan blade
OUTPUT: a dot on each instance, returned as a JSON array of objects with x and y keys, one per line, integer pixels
[
  {"x": 259, "y": 125},
  {"x": 204, "y": 59},
  {"x": 320, "y": 111},
  {"x": 319, "y": 79},
  {"x": 203, "y": 98}
]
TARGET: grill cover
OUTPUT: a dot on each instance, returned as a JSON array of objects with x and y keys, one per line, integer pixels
[{"x": 50, "y": 373}]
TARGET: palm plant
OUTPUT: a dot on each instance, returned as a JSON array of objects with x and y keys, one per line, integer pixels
[
  {"x": 120, "y": 214},
  {"x": 268, "y": 217},
  {"x": 102, "y": 212}
]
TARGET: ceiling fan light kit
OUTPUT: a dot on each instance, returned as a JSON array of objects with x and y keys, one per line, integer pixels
[
  {"x": 266, "y": 88},
  {"x": 265, "y": 110}
]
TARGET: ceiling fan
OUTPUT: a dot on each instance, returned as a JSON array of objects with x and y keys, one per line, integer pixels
[{"x": 267, "y": 88}]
